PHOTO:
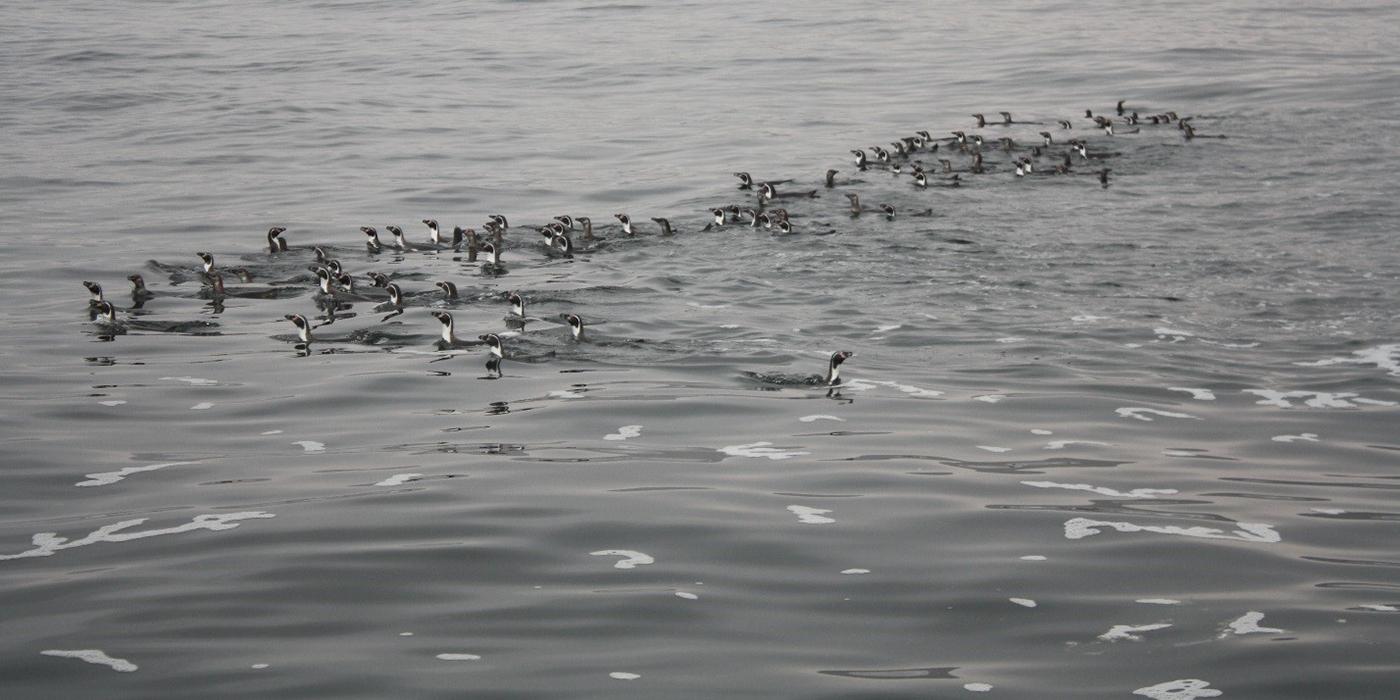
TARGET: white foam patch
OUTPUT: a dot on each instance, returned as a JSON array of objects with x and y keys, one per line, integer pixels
[
  {"x": 760, "y": 450},
  {"x": 1010, "y": 339},
  {"x": 47, "y": 543},
  {"x": 1119, "y": 633},
  {"x": 886, "y": 329},
  {"x": 1140, "y": 413},
  {"x": 687, "y": 596},
  {"x": 259, "y": 666},
  {"x": 1132, "y": 345},
  {"x": 311, "y": 445},
  {"x": 1175, "y": 334},
  {"x": 113, "y": 402},
  {"x": 1079, "y": 528},
  {"x": 631, "y": 558},
  {"x": 977, "y": 687},
  {"x": 1102, "y": 490},
  {"x": 271, "y": 432},
  {"x": 992, "y": 448},
  {"x": 1315, "y": 399},
  {"x": 1180, "y": 453},
  {"x": 989, "y": 398},
  {"x": 1249, "y": 624},
  {"x": 1023, "y": 602},
  {"x": 868, "y": 384},
  {"x": 1197, "y": 394},
  {"x": 1328, "y": 511},
  {"x": 1386, "y": 357},
  {"x": 1033, "y": 557},
  {"x": 625, "y": 432},
  {"x": 1062, "y": 444},
  {"x": 1379, "y": 607},
  {"x": 698, "y": 305},
  {"x": 624, "y": 676},
  {"x": 1087, "y": 318},
  {"x": 107, "y": 478},
  {"x": 459, "y": 657},
  {"x": 563, "y": 394},
  {"x": 819, "y": 416},
  {"x": 398, "y": 480},
  {"x": 811, "y": 516},
  {"x": 202, "y": 406},
  {"x": 93, "y": 656},
  {"x": 1041, "y": 431},
  {"x": 1184, "y": 689},
  {"x": 855, "y": 572},
  {"x": 193, "y": 381},
  {"x": 1158, "y": 601},
  {"x": 405, "y": 634},
  {"x": 1304, "y": 437}
]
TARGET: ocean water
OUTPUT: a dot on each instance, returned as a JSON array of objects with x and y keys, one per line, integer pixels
[{"x": 1094, "y": 441}]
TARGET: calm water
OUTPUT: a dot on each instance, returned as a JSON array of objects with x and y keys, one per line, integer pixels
[{"x": 1094, "y": 441}]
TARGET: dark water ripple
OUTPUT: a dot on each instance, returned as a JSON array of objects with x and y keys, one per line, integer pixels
[{"x": 1093, "y": 441}]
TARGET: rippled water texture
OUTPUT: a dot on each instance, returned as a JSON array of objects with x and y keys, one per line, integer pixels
[{"x": 1093, "y": 442}]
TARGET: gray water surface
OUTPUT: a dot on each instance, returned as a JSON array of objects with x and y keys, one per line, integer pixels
[{"x": 1094, "y": 441}]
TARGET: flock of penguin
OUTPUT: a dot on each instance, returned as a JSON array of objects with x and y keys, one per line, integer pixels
[{"x": 926, "y": 160}]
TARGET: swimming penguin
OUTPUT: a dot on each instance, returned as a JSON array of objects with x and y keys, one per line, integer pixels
[
  {"x": 395, "y": 296},
  {"x": 1065, "y": 124},
  {"x": 889, "y": 211},
  {"x": 831, "y": 178},
  {"x": 372, "y": 239},
  {"x": 1120, "y": 107},
  {"x": 575, "y": 326},
  {"x": 138, "y": 288},
  {"x": 95, "y": 290},
  {"x": 208, "y": 261},
  {"x": 496, "y": 352},
  {"x": 517, "y": 308},
  {"x": 378, "y": 279},
  {"x": 402, "y": 243},
  {"x": 626, "y": 223},
  {"x": 981, "y": 121},
  {"x": 665, "y": 226},
  {"x": 559, "y": 242},
  {"x": 767, "y": 192},
  {"x": 745, "y": 181},
  {"x": 587, "y": 225},
  {"x": 832, "y": 378},
  {"x": 920, "y": 178},
  {"x": 500, "y": 221},
  {"x": 449, "y": 290},
  {"x": 303, "y": 327},
  {"x": 275, "y": 242},
  {"x": 720, "y": 219},
  {"x": 1103, "y": 177},
  {"x": 493, "y": 255},
  {"x": 105, "y": 315},
  {"x": 434, "y": 233},
  {"x": 856, "y": 208},
  {"x": 1048, "y": 138},
  {"x": 784, "y": 227},
  {"x": 861, "y": 162},
  {"x": 449, "y": 336}
]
